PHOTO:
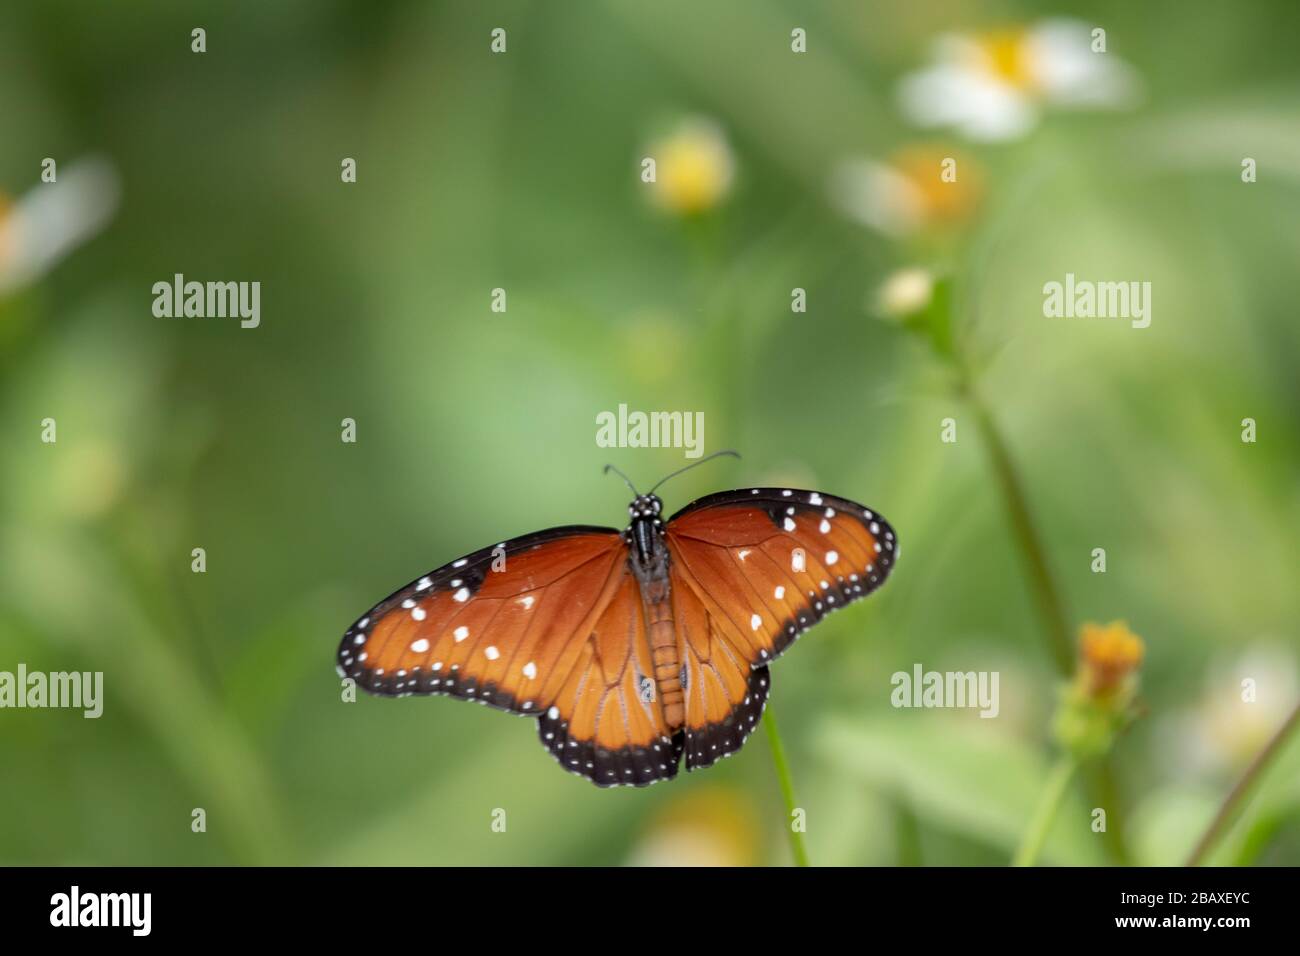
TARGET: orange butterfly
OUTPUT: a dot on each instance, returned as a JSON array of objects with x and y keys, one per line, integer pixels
[{"x": 630, "y": 648}]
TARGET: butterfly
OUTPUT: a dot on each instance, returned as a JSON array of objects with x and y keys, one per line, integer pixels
[{"x": 631, "y": 648}]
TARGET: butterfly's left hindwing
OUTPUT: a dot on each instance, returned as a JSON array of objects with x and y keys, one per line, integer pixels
[{"x": 605, "y": 723}]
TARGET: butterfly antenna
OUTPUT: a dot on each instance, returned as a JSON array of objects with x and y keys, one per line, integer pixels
[
  {"x": 716, "y": 454},
  {"x": 627, "y": 481}
]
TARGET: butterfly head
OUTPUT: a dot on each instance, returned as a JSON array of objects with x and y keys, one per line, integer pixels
[{"x": 645, "y": 506}]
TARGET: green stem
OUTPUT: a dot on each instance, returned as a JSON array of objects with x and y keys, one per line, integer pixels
[
  {"x": 908, "y": 833},
  {"x": 1237, "y": 796},
  {"x": 1046, "y": 595},
  {"x": 787, "y": 788},
  {"x": 1101, "y": 781},
  {"x": 1036, "y": 834}
]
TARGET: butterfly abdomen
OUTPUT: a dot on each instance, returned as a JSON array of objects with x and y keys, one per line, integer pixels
[
  {"x": 649, "y": 561},
  {"x": 667, "y": 663}
]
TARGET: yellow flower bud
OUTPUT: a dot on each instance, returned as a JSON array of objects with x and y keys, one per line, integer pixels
[
  {"x": 1108, "y": 655},
  {"x": 694, "y": 168},
  {"x": 1098, "y": 703}
]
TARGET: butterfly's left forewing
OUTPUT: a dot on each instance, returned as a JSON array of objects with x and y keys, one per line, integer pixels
[
  {"x": 503, "y": 626},
  {"x": 549, "y": 626}
]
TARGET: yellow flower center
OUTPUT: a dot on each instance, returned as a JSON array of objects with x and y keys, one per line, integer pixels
[
  {"x": 948, "y": 194},
  {"x": 1007, "y": 56}
]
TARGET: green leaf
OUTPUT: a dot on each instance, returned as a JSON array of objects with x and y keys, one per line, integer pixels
[{"x": 963, "y": 777}]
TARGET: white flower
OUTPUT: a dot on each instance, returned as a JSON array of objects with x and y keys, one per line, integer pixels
[
  {"x": 878, "y": 196},
  {"x": 52, "y": 219},
  {"x": 909, "y": 193},
  {"x": 905, "y": 293},
  {"x": 994, "y": 86},
  {"x": 1229, "y": 727}
]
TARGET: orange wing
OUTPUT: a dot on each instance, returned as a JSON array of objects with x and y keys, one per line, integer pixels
[
  {"x": 752, "y": 570},
  {"x": 724, "y": 695},
  {"x": 557, "y": 632},
  {"x": 503, "y": 626},
  {"x": 605, "y": 723}
]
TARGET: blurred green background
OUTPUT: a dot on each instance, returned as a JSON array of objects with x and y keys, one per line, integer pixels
[{"x": 521, "y": 171}]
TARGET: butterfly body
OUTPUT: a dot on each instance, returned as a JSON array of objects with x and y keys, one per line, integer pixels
[
  {"x": 648, "y": 560},
  {"x": 632, "y": 649}
]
